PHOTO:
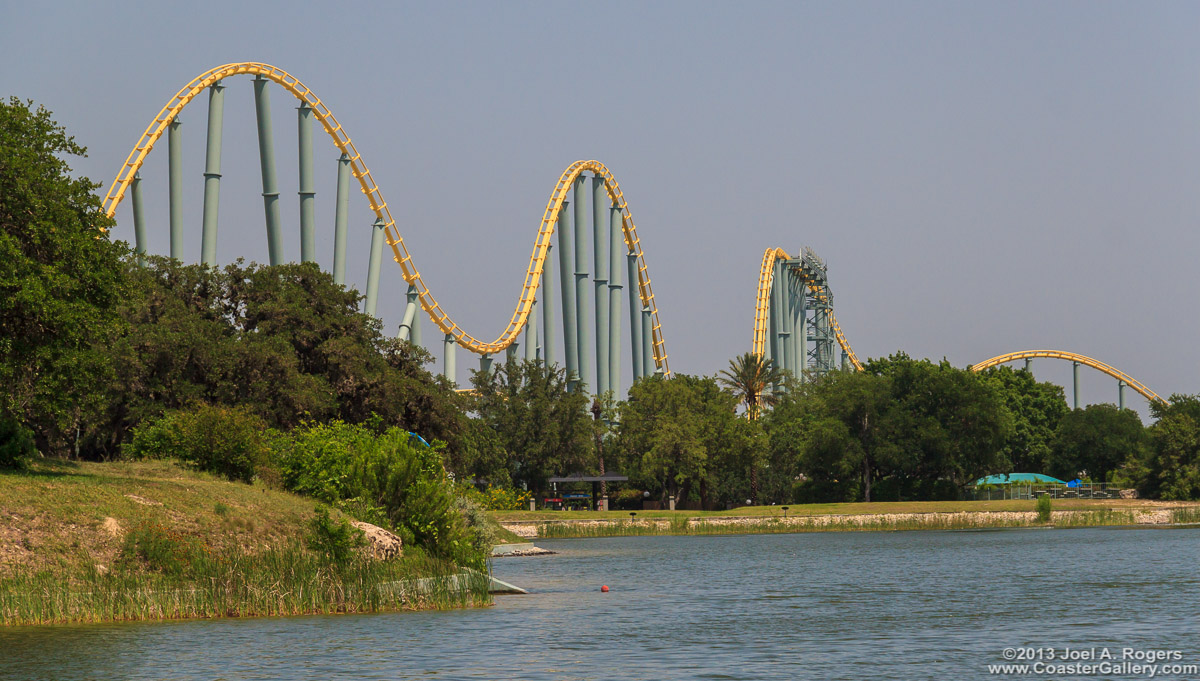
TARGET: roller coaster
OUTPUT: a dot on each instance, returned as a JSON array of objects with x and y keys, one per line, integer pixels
[
  {"x": 794, "y": 321},
  {"x": 794, "y": 307},
  {"x": 612, "y": 229}
]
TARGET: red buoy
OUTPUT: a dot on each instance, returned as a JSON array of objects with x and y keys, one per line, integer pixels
[{"x": 604, "y": 589}]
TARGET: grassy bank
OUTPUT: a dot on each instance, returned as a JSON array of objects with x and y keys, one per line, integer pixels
[
  {"x": 883, "y": 516},
  {"x": 89, "y": 542}
]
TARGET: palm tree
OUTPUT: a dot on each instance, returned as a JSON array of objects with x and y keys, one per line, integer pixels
[{"x": 747, "y": 378}]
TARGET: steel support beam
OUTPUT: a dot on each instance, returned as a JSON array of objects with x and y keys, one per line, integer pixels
[
  {"x": 139, "y": 218},
  {"x": 1029, "y": 364},
  {"x": 308, "y": 188},
  {"x": 1075, "y": 381},
  {"x": 266, "y": 162},
  {"x": 212, "y": 174},
  {"x": 582, "y": 308},
  {"x": 485, "y": 364},
  {"x": 373, "y": 268},
  {"x": 1120, "y": 394},
  {"x": 786, "y": 290},
  {"x": 531, "y": 329},
  {"x": 600, "y": 241},
  {"x": 340, "y": 217},
  {"x": 449, "y": 370},
  {"x": 410, "y": 315},
  {"x": 414, "y": 298},
  {"x": 800, "y": 329},
  {"x": 616, "y": 242},
  {"x": 566, "y": 274},
  {"x": 648, "y": 363},
  {"x": 635, "y": 315},
  {"x": 175, "y": 187},
  {"x": 548, "y": 284}
]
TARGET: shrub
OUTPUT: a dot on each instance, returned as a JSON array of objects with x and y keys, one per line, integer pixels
[
  {"x": 228, "y": 441},
  {"x": 505, "y": 499},
  {"x": 1042, "y": 506},
  {"x": 337, "y": 540},
  {"x": 352, "y": 466},
  {"x": 16, "y": 444}
]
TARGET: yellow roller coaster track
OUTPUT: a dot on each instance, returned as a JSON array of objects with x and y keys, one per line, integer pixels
[
  {"x": 766, "y": 276},
  {"x": 400, "y": 253},
  {"x": 1071, "y": 357}
]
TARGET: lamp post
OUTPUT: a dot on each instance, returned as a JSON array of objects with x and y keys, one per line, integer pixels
[{"x": 785, "y": 508}]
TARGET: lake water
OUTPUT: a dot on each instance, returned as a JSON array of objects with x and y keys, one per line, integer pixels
[{"x": 903, "y": 605}]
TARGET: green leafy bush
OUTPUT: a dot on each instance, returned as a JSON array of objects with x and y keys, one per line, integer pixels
[
  {"x": 16, "y": 444},
  {"x": 1042, "y": 506},
  {"x": 353, "y": 467},
  {"x": 229, "y": 441},
  {"x": 337, "y": 540}
]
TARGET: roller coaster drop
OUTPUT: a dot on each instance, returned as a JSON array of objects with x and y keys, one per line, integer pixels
[
  {"x": 793, "y": 308},
  {"x": 612, "y": 227}
]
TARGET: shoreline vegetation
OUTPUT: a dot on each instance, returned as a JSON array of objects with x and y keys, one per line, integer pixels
[
  {"x": 870, "y": 517},
  {"x": 84, "y": 542}
]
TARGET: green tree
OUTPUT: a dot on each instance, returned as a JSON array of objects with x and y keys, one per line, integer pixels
[
  {"x": 60, "y": 278},
  {"x": 1037, "y": 408},
  {"x": 950, "y": 424},
  {"x": 748, "y": 377},
  {"x": 671, "y": 430},
  {"x": 542, "y": 429},
  {"x": 1096, "y": 440},
  {"x": 860, "y": 403},
  {"x": 286, "y": 342},
  {"x": 1171, "y": 466}
]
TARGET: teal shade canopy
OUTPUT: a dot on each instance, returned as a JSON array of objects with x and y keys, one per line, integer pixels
[{"x": 1022, "y": 478}]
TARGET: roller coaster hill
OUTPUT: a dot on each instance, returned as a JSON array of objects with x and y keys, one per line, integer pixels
[{"x": 577, "y": 289}]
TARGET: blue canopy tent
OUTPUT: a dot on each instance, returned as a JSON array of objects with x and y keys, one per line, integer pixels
[{"x": 1018, "y": 479}]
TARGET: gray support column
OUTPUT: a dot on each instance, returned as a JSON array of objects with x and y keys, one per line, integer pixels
[
  {"x": 582, "y": 308},
  {"x": 1029, "y": 364},
  {"x": 648, "y": 364},
  {"x": 531, "y": 329},
  {"x": 415, "y": 337},
  {"x": 616, "y": 247},
  {"x": 772, "y": 344},
  {"x": 266, "y": 162},
  {"x": 566, "y": 274},
  {"x": 780, "y": 306},
  {"x": 139, "y": 218},
  {"x": 212, "y": 174},
  {"x": 548, "y": 354},
  {"x": 845, "y": 361},
  {"x": 1075, "y": 381},
  {"x": 340, "y": 217},
  {"x": 308, "y": 190},
  {"x": 410, "y": 315},
  {"x": 600, "y": 242},
  {"x": 175, "y": 187},
  {"x": 373, "y": 268},
  {"x": 635, "y": 315},
  {"x": 786, "y": 291},
  {"x": 449, "y": 370},
  {"x": 1120, "y": 394},
  {"x": 485, "y": 365},
  {"x": 800, "y": 329}
]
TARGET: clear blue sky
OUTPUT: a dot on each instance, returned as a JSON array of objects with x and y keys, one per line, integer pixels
[{"x": 980, "y": 177}]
